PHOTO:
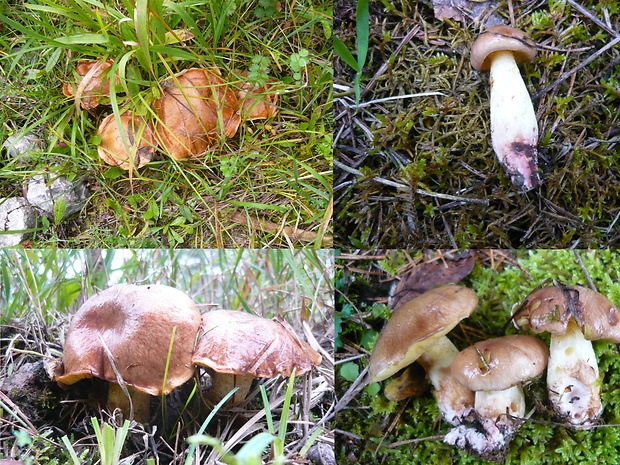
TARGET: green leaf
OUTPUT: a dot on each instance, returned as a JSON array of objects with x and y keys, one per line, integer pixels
[
  {"x": 344, "y": 53},
  {"x": 350, "y": 371}
]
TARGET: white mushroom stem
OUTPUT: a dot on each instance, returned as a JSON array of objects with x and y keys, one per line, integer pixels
[
  {"x": 494, "y": 405},
  {"x": 453, "y": 399},
  {"x": 492, "y": 409},
  {"x": 572, "y": 377},
  {"x": 514, "y": 130}
]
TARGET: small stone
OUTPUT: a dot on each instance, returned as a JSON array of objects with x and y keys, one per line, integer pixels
[
  {"x": 15, "y": 215},
  {"x": 22, "y": 146},
  {"x": 43, "y": 195}
]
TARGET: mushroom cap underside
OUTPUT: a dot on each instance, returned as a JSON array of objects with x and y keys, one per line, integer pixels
[
  {"x": 416, "y": 325},
  {"x": 136, "y": 324},
  {"x": 240, "y": 343}
]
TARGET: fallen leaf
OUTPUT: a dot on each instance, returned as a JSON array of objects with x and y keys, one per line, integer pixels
[{"x": 450, "y": 268}]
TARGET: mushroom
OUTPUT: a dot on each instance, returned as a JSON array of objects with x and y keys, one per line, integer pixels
[
  {"x": 194, "y": 107},
  {"x": 238, "y": 347},
  {"x": 574, "y": 316},
  {"x": 124, "y": 334},
  {"x": 93, "y": 85},
  {"x": 495, "y": 370},
  {"x": 139, "y": 140},
  {"x": 417, "y": 331},
  {"x": 514, "y": 129},
  {"x": 257, "y": 102}
]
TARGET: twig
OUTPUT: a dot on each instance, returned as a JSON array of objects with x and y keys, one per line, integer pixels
[
  {"x": 585, "y": 270},
  {"x": 581, "y": 65},
  {"x": 387, "y": 182},
  {"x": 593, "y": 18}
]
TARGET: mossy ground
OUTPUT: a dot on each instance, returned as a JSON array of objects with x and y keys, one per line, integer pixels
[
  {"x": 372, "y": 427},
  {"x": 441, "y": 143}
]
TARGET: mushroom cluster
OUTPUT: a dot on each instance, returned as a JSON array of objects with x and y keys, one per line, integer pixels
[
  {"x": 478, "y": 390},
  {"x": 145, "y": 340},
  {"x": 196, "y": 108}
]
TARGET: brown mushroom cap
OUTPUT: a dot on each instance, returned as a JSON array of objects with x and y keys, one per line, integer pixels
[
  {"x": 544, "y": 310},
  {"x": 500, "y": 363},
  {"x": 597, "y": 316},
  {"x": 239, "y": 343},
  {"x": 113, "y": 151},
  {"x": 189, "y": 109},
  {"x": 95, "y": 87},
  {"x": 136, "y": 324},
  {"x": 415, "y": 327},
  {"x": 549, "y": 309},
  {"x": 257, "y": 102},
  {"x": 501, "y": 38}
]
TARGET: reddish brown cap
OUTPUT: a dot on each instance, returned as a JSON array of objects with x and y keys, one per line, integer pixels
[
  {"x": 95, "y": 87},
  {"x": 188, "y": 111},
  {"x": 500, "y": 38},
  {"x": 550, "y": 308},
  {"x": 544, "y": 310},
  {"x": 416, "y": 325},
  {"x": 239, "y": 343},
  {"x": 257, "y": 102},
  {"x": 113, "y": 151},
  {"x": 136, "y": 324},
  {"x": 500, "y": 363}
]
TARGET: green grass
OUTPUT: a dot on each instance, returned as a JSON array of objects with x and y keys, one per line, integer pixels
[
  {"x": 372, "y": 426},
  {"x": 41, "y": 289},
  {"x": 278, "y": 169}
]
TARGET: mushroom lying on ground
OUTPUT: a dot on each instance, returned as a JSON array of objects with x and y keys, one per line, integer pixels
[
  {"x": 514, "y": 129},
  {"x": 124, "y": 334},
  {"x": 195, "y": 106},
  {"x": 417, "y": 331},
  {"x": 139, "y": 140},
  {"x": 257, "y": 102},
  {"x": 574, "y": 316},
  {"x": 237, "y": 347},
  {"x": 495, "y": 370},
  {"x": 95, "y": 83}
]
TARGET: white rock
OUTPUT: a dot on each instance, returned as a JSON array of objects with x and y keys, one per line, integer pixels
[
  {"x": 15, "y": 215},
  {"x": 43, "y": 194},
  {"x": 22, "y": 146}
]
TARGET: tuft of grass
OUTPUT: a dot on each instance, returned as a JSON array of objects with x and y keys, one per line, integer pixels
[{"x": 278, "y": 170}]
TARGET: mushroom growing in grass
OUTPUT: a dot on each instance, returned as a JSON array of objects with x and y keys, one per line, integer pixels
[
  {"x": 514, "y": 129},
  {"x": 196, "y": 106},
  {"x": 574, "y": 316},
  {"x": 495, "y": 370},
  {"x": 138, "y": 144},
  {"x": 237, "y": 347},
  {"x": 93, "y": 85},
  {"x": 140, "y": 336},
  {"x": 257, "y": 102},
  {"x": 417, "y": 331}
]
